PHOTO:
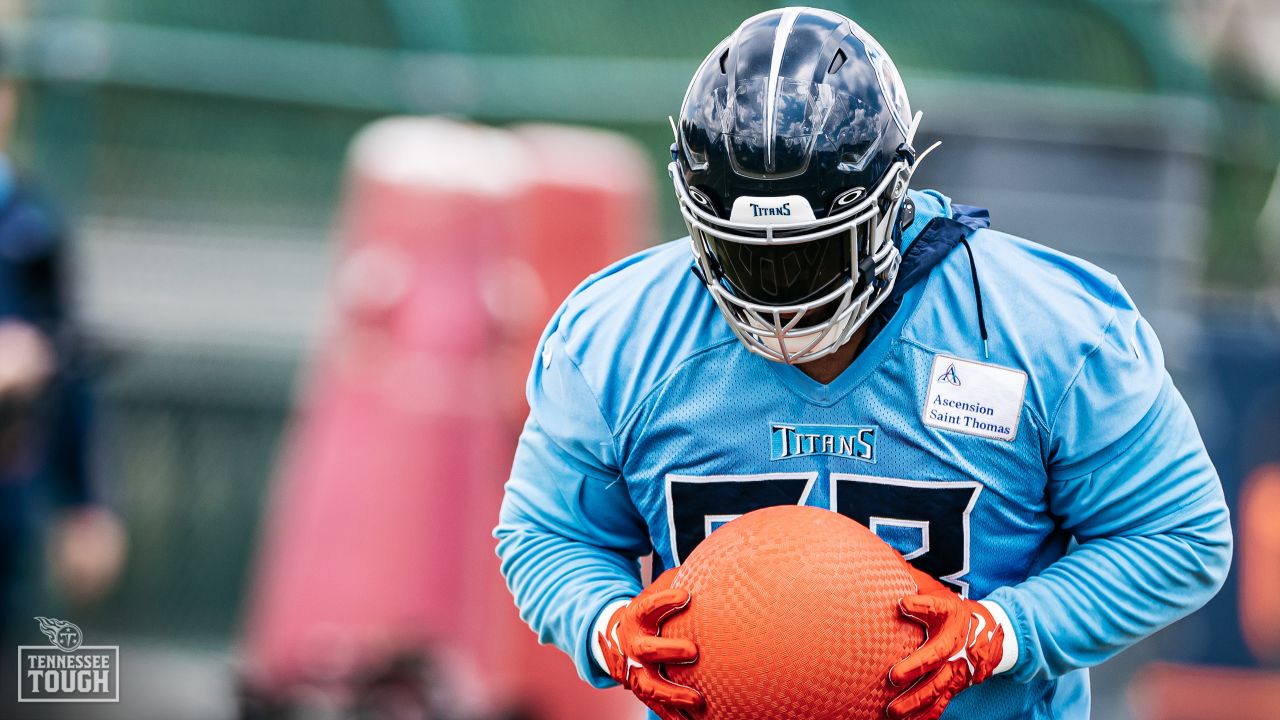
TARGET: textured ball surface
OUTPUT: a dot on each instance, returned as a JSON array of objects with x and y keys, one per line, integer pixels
[{"x": 795, "y": 614}]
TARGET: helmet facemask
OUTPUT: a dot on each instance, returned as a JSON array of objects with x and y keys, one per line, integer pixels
[{"x": 828, "y": 275}]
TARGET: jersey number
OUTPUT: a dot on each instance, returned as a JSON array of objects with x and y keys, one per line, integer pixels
[{"x": 935, "y": 513}]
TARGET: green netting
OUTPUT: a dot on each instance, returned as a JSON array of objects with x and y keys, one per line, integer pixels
[
  {"x": 215, "y": 156},
  {"x": 1070, "y": 41},
  {"x": 357, "y": 22},
  {"x": 176, "y": 157},
  {"x": 1060, "y": 42}
]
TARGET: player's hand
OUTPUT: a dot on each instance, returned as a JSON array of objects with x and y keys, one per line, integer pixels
[
  {"x": 633, "y": 650},
  {"x": 963, "y": 646}
]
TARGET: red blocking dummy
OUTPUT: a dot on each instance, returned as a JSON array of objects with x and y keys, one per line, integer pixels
[{"x": 457, "y": 242}]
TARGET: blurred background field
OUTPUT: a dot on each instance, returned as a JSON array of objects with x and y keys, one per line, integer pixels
[{"x": 199, "y": 148}]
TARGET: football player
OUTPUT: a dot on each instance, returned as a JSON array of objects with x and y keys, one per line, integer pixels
[{"x": 997, "y": 410}]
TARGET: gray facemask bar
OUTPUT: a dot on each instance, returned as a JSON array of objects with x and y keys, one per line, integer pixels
[{"x": 775, "y": 331}]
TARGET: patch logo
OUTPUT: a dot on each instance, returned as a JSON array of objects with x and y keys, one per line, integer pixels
[
  {"x": 950, "y": 375},
  {"x": 974, "y": 398},
  {"x": 67, "y": 670},
  {"x": 857, "y": 442}
]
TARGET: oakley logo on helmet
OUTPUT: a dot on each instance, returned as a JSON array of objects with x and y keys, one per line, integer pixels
[
  {"x": 699, "y": 197},
  {"x": 850, "y": 197}
]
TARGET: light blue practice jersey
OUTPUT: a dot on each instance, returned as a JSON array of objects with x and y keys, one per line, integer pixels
[{"x": 1059, "y": 474}]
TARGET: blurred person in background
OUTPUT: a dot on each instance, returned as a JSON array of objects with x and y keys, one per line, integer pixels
[{"x": 45, "y": 408}]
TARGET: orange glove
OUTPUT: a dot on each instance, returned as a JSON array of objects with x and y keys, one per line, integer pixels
[
  {"x": 963, "y": 646},
  {"x": 632, "y": 649}
]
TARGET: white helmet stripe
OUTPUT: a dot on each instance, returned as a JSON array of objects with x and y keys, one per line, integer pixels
[{"x": 780, "y": 37}]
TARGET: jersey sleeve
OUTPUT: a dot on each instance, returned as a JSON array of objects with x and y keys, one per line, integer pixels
[
  {"x": 1130, "y": 479},
  {"x": 569, "y": 536}
]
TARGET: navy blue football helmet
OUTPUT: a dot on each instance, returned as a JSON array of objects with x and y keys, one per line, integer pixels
[{"x": 791, "y": 164}]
